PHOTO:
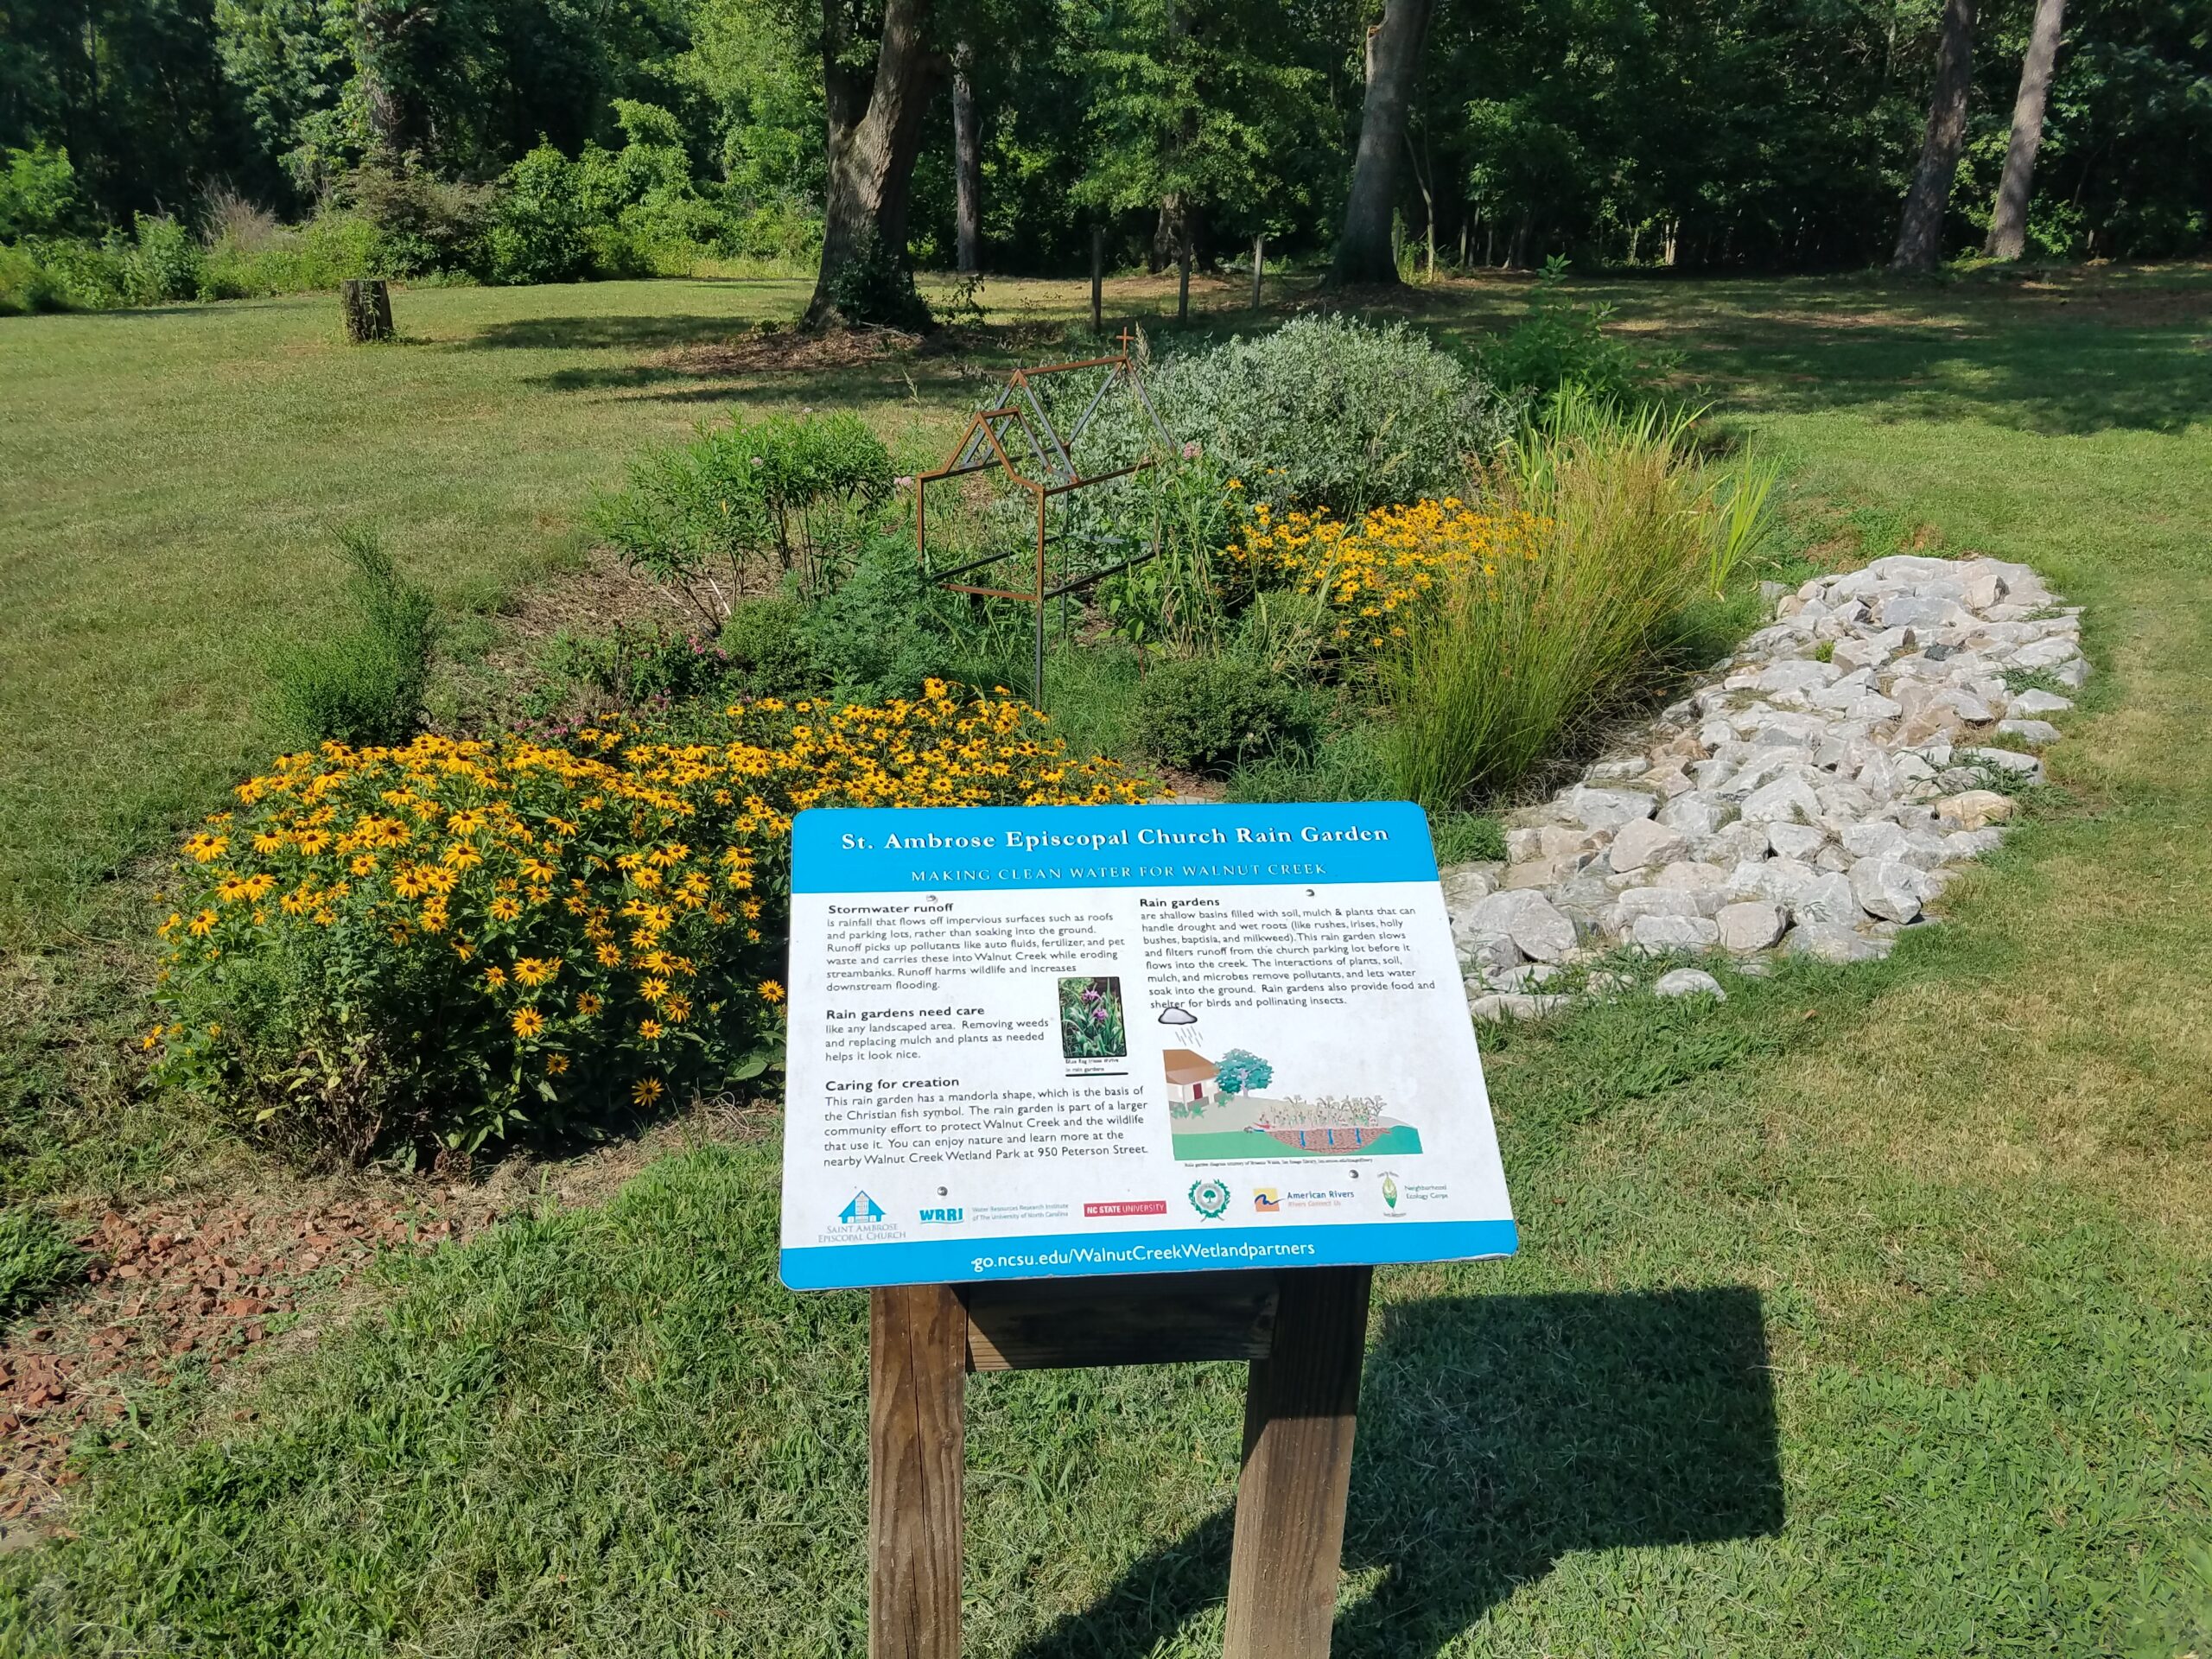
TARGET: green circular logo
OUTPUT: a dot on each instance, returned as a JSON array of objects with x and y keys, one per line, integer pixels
[{"x": 1210, "y": 1197}]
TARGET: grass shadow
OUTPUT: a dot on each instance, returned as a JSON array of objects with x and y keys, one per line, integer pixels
[{"x": 1496, "y": 1435}]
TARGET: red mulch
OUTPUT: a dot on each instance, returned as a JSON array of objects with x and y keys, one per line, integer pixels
[{"x": 169, "y": 1283}]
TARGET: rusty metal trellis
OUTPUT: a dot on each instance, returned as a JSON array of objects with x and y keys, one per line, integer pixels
[{"x": 1018, "y": 432}]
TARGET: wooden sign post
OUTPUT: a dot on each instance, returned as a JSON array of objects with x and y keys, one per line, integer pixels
[
  {"x": 1126, "y": 1085},
  {"x": 1303, "y": 1331}
]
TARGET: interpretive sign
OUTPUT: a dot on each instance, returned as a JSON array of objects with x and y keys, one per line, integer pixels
[{"x": 1047, "y": 1042}]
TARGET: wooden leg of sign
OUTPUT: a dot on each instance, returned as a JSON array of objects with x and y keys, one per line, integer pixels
[
  {"x": 917, "y": 1375},
  {"x": 1301, "y": 1409}
]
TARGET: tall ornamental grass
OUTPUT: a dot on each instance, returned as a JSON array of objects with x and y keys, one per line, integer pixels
[{"x": 1620, "y": 530}]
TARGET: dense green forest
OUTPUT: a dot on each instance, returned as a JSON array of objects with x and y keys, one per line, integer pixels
[{"x": 529, "y": 140}]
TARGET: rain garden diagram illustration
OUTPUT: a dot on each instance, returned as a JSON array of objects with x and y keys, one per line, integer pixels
[{"x": 1226, "y": 1107}]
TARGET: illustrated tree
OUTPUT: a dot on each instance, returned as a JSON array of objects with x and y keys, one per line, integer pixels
[{"x": 1240, "y": 1071}]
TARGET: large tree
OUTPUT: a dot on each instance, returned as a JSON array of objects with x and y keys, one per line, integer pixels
[
  {"x": 872, "y": 147},
  {"x": 967, "y": 165},
  {"x": 2008, "y": 219},
  {"x": 1363, "y": 250},
  {"x": 1920, "y": 236}
]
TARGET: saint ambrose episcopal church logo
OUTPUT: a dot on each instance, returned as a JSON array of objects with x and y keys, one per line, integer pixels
[
  {"x": 1210, "y": 1197},
  {"x": 861, "y": 1211}
]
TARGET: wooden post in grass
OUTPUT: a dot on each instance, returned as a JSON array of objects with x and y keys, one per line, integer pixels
[
  {"x": 367, "y": 306},
  {"x": 1301, "y": 1408},
  {"x": 1304, "y": 1333},
  {"x": 917, "y": 1353},
  {"x": 1097, "y": 278},
  {"x": 1259, "y": 263}
]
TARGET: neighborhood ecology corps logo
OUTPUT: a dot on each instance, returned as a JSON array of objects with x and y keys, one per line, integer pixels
[
  {"x": 861, "y": 1211},
  {"x": 1210, "y": 1197},
  {"x": 1389, "y": 1190},
  {"x": 1267, "y": 1200}
]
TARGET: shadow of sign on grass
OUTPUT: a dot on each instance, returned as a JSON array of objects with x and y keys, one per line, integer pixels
[{"x": 1496, "y": 1435}]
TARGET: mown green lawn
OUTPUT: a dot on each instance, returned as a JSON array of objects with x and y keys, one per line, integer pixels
[{"x": 1868, "y": 1313}]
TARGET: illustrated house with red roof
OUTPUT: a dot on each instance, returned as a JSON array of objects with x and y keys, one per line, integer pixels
[{"x": 1190, "y": 1076}]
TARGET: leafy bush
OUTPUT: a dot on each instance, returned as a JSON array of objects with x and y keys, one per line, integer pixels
[
  {"x": 1617, "y": 524},
  {"x": 36, "y": 1259},
  {"x": 1209, "y": 714},
  {"x": 38, "y": 193},
  {"x": 767, "y": 643},
  {"x": 1328, "y": 409},
  {"x": 363, "y": 685},
  {"x": 457, "y": 941},
  {"x": 1561, "y": 344},
  {"x": 877, "y": 284},
  {"x": 705, "y": 519},
  {"x": 397, "y": 218},
  {"x": 541, "y": 229},
  {"x": 168, "y": 263},
  {"x": 635, "y": 664},
  {"x": 29, "y": 284}
]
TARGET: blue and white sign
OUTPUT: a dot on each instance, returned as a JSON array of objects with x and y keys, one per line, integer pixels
[{"x": 1047, "y": 1042}]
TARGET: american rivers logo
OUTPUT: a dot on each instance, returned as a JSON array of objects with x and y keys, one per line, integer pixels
[{"x": 942, "y": 1213}]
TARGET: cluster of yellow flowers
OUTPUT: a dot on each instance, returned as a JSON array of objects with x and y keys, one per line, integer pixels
[
  {"x": 531, "y": 924},
  {"x": 1375, "y": 571}
]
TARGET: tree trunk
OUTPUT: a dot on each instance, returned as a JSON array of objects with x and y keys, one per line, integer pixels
[
  {"x": 1920, "y": 237},
  {"x": 1363, "y": 252},
  {"x": 367, "y": 308},
  {"x": 967, "y": 166},
  {"x": 872, "y": 170},
  {"x": 2008, "y": 219}
]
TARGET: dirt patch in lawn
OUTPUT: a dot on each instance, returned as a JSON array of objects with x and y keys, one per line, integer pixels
[{"x": 222, "y": 1282}]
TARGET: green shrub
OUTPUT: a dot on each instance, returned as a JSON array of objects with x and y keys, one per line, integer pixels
[
  {"x": 166, "y": 264},
  {"x": 1330, "y": 409},
  {"x": 886, "y": 629},
  {"x": 633, "y": 663},
  {"x": 36, "y": 1259},
  {"x": 541, "y": 229},
  {"x": 395, "y": 218},
  {"x": 38, "y": 193},
  {"x": 27, "y": 284},
  {"x": 1208, "y": 714},
  {"x": 1617, "y": 526},
  {"x": 877, "y": 284},
  {"x": 452, "y": 942},
  {"x": 364, "y": 683},
  {"x": 746, "y": 504},
  {"x": 1561, "y": 344},
  {"x": 767, "y": 643}
]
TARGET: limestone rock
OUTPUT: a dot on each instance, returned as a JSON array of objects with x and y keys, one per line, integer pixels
[
  {"x": 1976, "y": 808},
  {"x": 1674, "y": 933},
  {"x": 1830, "y": 942},
  {"x": 1826, "y": 898},
  {"x": 1748, "y": 926},
  {"x": 1641, "y": 841},
  {"x": 1889, "y": 889},
  {"x": 1608, "y": 808},
  {"x": 1526, "y": 918},
  {"x": 1688, "y": 982}
]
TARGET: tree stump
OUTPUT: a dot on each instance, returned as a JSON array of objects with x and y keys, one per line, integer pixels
[{"x": 368, "y": 310}]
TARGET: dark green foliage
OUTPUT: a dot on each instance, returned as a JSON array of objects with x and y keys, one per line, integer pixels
[
  {"x": 767, "y": 643},
  {"x": 541, "y": 231},
  {"x": 634, "y": 664},
  {"x": 168, "y": 263},
  {"x": 1210, "y": 713},
  {"x": 362, "y": 682},
  {"x": 877, "y": 285},
  {"x": 884, "y": 630},
  {"x": 38, "y": 193},
  {"x": 745, "y": 504},
  {"x": 36, "y": 1259},
  {"x": 1560, "y": 343}
]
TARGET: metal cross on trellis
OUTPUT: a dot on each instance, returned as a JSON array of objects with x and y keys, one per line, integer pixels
[{"x": 1017, "y": 435}]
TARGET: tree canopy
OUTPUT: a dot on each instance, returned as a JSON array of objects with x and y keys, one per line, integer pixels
[{"x": 1757, "y": 134}]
